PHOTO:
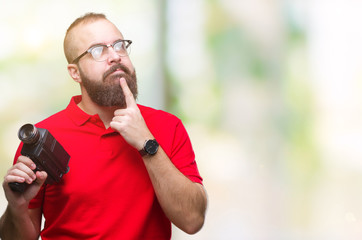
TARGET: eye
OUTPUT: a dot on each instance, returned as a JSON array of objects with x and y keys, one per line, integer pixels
[
  {"x": 118, "y": 46},
  {"x": 97, "y": 52}
]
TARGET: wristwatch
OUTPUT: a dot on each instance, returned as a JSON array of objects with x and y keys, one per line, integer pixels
[{"x": 149, "y": 148}]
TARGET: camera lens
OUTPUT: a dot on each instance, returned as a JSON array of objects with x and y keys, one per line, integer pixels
[{"x": 28, "y": 134}]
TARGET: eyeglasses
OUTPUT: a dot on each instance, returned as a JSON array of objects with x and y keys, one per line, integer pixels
[{"x": 100, "y": 52}]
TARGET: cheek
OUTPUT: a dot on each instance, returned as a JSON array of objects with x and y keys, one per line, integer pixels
[
  {"x": 93, "y": 71},
  {"x": 126, "y": 61}
]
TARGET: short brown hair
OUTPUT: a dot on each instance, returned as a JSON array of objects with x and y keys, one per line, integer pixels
[{"x": 69, "y": 46}]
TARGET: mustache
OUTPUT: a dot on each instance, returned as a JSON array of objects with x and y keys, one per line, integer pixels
[{"x": 115, "y": 68}]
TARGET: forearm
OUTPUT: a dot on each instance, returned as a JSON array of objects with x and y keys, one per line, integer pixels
[
  {"x": 17, "y": 224},
  {"x": 18, "y": 221},
  {"x": 183, "y": 201}
]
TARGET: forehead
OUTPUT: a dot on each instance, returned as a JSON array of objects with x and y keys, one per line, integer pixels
[{"x": 100, "y": 31}]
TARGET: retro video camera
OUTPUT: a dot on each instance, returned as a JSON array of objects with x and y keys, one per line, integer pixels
[{"x": 45, "y": 151}]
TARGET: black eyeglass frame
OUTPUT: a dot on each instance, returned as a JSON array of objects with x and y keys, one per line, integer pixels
[{"x": 126, "y": 43}]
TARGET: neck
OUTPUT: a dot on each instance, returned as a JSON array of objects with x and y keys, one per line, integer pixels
[{"x": 106, "y": 114}]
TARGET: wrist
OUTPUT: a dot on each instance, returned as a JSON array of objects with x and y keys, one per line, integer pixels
[
  {"x": 150, "y": 148},
  {"x": 18, "y": 209}
]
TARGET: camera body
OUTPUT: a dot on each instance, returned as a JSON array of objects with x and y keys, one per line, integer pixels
[{"x": 45, "y": 151}]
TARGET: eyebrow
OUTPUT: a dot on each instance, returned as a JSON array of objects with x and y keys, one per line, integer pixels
[
  {"x": 103, "y": 44},
  {"x": 97, "y": 44}
]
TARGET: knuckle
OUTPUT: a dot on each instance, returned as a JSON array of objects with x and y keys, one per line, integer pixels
[
  {"x": 18, "y": 165},
  {"x": 132, "y": 112},
  {"x": 129, "y": 94},
  {"x": 12, "y": 170},
  {"x": 6, "y": 177}
]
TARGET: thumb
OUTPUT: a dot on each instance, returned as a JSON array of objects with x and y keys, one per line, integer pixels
[
  {"x": 41, "y": 176},
  {"x": 34, "y": 188}
]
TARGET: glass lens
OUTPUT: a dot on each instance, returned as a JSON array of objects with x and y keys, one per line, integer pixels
[
  {"x": 101, "y": 52},
  {"x": 119, "y": 47},
  {"x": 97, "y": 52}
]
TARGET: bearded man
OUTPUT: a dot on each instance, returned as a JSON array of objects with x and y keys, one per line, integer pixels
[{"x": 132, "y": 168}]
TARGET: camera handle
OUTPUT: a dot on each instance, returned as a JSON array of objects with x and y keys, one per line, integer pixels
[{"x": 18, "y": 187}]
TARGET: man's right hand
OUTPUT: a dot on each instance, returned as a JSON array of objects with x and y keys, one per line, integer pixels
[{"x": 22, "y": 171}]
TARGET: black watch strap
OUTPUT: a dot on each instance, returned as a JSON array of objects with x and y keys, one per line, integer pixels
[{"x": 142, "y": 152}]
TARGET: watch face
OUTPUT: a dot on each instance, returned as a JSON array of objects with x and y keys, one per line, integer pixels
[{"x": 151, "y": 147}]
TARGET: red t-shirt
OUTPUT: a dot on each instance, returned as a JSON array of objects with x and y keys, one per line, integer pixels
[{"x": 107, "y": 193}]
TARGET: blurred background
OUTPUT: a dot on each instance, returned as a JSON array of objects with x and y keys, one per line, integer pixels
[{"x": 269, "y": 90}]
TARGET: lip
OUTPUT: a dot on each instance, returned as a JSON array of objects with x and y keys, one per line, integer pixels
[{"x": 117, "y": 71}]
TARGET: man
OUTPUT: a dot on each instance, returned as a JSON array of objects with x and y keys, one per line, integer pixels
[{"x": 132, "y": 168}]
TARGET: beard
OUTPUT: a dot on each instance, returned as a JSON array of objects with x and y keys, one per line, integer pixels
[{"x": 108, "y": 92}]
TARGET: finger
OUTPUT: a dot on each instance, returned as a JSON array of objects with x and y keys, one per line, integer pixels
[
  {"x": 26, "y": 165},
  {"x": 130, "y": 101},
  {"x": 27, "y": 161},
  {"x": 41, "y": 176},
  {"x": 117, "y": 119},
  {"x": 120, "y": 112},
  {"x": 12, "y": 178},
  {"x": 20, "y": 173},
  {"x": 24, "y": 168},
  {"x": 116, "y": 125}
]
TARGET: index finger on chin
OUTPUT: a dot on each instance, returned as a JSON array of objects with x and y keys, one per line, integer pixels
[{"x": 130, "y": 101}]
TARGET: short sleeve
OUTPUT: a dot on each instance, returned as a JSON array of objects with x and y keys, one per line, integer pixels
[{"x": 182, "y": 154}]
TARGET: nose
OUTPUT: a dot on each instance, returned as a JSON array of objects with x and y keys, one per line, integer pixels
[{"x": 113, "y": 56}]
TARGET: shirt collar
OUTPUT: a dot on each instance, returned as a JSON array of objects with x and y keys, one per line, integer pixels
[{"x": 78, "y": 116}]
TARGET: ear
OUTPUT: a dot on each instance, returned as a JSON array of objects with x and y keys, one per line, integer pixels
[{"x": 74, "y": 72}]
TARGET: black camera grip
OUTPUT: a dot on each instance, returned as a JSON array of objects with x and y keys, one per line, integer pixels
[{"x": 18, "y": 187}]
